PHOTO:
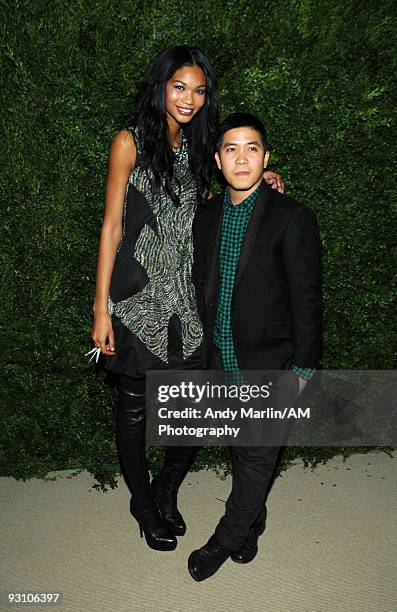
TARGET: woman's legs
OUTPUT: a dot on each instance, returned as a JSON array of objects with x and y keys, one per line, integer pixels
[{"x": 130, "y": 437}]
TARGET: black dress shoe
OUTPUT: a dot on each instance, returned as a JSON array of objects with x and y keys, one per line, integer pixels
[
  {"x": 165, "y": 492},
  {"x": 250, "y": 547},
  {"x": 206, "y": 561}
]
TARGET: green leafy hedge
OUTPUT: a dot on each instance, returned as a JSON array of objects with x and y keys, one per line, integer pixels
[{"x": 320, "y": 74}]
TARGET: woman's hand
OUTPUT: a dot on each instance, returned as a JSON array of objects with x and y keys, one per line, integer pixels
[
  {"x": 274, "y": 180},
  {"x": 102, "y": 334}
]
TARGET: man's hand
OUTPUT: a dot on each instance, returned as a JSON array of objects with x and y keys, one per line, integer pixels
[
  {"x": 274, "y": 180},
  {"x": 302, "y": 384}
]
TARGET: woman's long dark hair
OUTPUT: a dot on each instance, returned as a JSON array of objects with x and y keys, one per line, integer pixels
[{"x": 151, "y": 120}]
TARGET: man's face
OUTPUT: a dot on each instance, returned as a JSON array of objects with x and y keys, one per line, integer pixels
[{"x": 242, "y": 158}]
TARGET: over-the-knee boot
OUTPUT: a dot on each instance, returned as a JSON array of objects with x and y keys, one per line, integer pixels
[
  {"x": 130, "y": 435},
  {"x": 165, "y": 485}
]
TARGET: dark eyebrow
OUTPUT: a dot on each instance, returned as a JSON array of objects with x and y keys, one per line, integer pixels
[
  {"x": 252, "y": 142},
  {"x": 183, "y": 83}
]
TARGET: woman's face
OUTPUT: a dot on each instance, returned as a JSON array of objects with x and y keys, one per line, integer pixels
[{"x": 185, "y": 94}]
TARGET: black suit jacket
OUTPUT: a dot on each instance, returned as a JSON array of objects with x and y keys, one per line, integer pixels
[{"x": 276, "y": 309}]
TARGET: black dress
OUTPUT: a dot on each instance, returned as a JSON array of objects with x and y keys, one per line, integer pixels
[{"x": 152, "y": 300}]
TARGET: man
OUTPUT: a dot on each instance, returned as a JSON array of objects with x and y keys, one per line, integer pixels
[{"x": 258, "y": 277}]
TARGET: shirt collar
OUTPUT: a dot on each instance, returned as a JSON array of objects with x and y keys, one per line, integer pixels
[{"x": 248, "y": 201}]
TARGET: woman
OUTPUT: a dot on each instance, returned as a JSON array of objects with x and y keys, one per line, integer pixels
[{"x": 145, "y": 314}]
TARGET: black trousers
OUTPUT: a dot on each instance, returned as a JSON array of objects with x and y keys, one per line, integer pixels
[{"x": 253, "y": 475}]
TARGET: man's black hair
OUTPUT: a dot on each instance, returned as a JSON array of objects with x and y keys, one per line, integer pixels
[{"x": 237, "y": 120}]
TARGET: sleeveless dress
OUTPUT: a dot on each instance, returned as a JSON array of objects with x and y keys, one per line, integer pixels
[{"x": 152, "y": 301}]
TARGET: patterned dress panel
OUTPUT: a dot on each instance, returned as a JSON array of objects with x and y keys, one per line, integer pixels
[{"x": 166, "y": 254}]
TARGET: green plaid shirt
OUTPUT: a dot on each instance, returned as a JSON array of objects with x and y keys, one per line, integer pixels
[{"x": 234, "y": 226}]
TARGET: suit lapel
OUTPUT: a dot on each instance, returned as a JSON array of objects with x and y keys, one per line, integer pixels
[{"x": 252, "y": 230}]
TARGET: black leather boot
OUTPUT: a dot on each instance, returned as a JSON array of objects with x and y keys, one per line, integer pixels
[
  {"x": 130, "y": 435},
  {"x": 166, "y": 484},
  {"x": 157, "y": 534}
]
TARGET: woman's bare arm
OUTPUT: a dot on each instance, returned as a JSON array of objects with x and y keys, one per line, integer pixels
[{"x": 121, "y": 161}]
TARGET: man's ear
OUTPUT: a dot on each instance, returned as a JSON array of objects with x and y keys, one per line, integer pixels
[
  {"x": 218, "y": 160},
  {"x": 266, "y": 160}
]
